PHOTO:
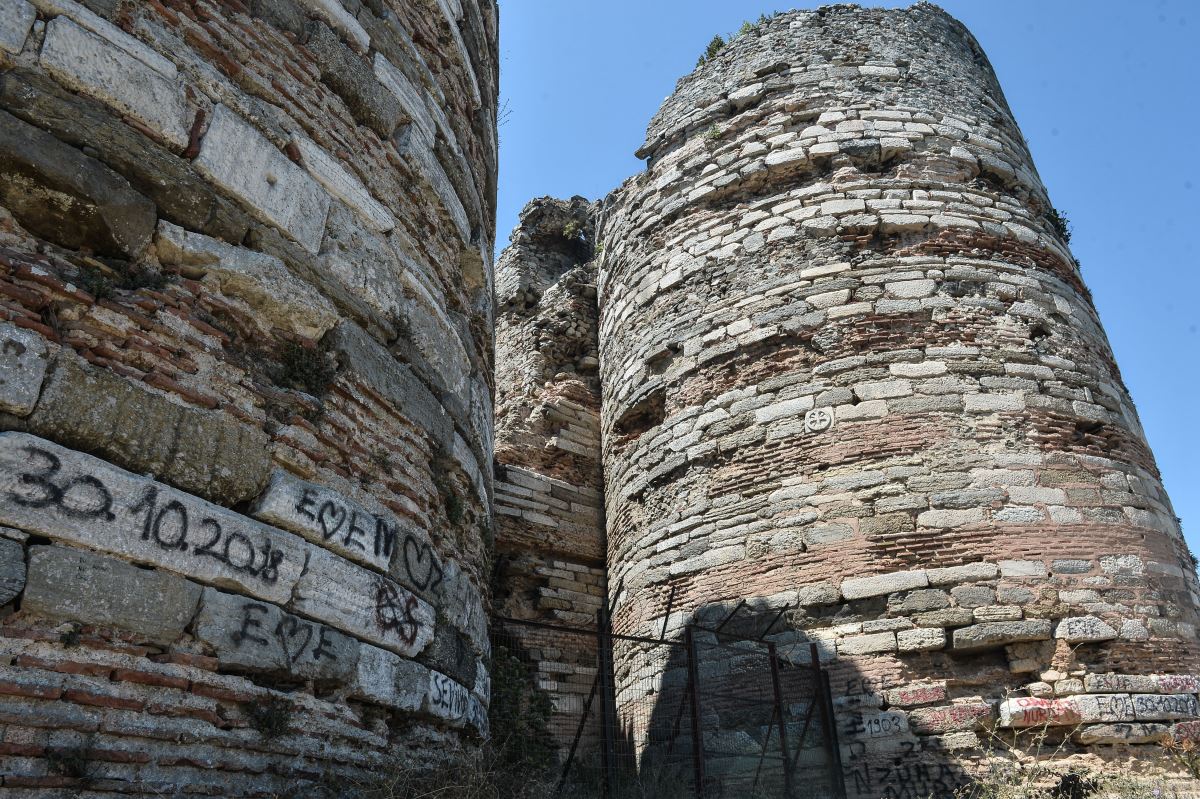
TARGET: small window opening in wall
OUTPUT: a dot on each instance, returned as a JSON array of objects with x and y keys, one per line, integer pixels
[{"x": 646, "y": 413}]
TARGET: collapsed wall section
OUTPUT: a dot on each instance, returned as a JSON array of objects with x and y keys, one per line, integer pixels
[
  {"x": 245, "y": 359},
  {"x": 549, "y": 520},
  {"x": 850, "y": 371}
]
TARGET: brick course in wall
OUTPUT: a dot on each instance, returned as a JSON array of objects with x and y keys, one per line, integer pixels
[{"x": 245, "y": 389}]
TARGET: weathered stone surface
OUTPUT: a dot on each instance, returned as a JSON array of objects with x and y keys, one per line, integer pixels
[
  {"x": 12, "y": 570},
  {"x": 109, "y": 32},
  {"x": 90, "y": 64},
  {"x": 866, "y": 644},
  {"x": 242, "y": 161},
  {"x": 329, "y": 519},
  {"x": 24, "y": 358},
  {"x": 341, "y": 184},
  {"x": 392, "y": 681},
  {"x": 203, "y": 452},
  {"x": 364, "y": 604},
  {"x": 446, "y": 699},
  {"x": 178, "y": 191},
  {"x": 878, "y": 585},
  {"x": 1000, "y": 633},
  {"x": 1165, "y": 707},
  {"x": 245, "y": 634},
  {"x": 64, "y": 494},
  {"x": 1123, "y": 734},
  {"x": 1034, "y": 712},
  {"x": 1104, "y": 707},
  {"x": 57, "y": 192},
  {"x": 354, "y": 81},
  {"x": 965, "y": 715},
  {"x": 16, "y": 18},
  {"x": 966, "y": 573},
  {"x": 921, "y": 640},
  {"x": 333, "y": 12},
  {"x": 93, "y": 589},
  {"x": 1079, "y": 629},
  {"x": 282, "y": 299}
]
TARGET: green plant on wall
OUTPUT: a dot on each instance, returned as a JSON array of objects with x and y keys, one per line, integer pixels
[{"x": 519, "y": 716}]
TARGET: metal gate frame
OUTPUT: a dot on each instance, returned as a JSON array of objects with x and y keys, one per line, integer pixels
[{"x": 603, "y": 692}]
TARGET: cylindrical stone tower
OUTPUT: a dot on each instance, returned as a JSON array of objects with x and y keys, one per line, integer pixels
[
  {"x": 245, "y": 389},
  {"x": 849, "y": 368}
]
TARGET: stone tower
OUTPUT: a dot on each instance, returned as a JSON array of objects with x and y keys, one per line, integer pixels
[
  {"x": 849, "y": 369},
  {"x": 245, "y": 389}
]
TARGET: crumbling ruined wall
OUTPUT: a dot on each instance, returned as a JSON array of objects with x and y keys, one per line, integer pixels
[
  {"x": 245, "y": 364},
  {"x": 549, "y": 520},
  {"x": 850, "y": 369}
]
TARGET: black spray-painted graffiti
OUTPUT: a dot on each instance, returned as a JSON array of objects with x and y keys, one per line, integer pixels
[
  {"x": 357, "y": 530},
  {"x": 294, "y": 636},
  {"x": 167, "y": 525},
  {"x": 394, "y": 613},
  {"x": 447, "y": 697}
]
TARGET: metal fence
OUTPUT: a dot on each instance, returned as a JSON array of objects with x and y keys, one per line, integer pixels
[{"x": 705, "y": 715}]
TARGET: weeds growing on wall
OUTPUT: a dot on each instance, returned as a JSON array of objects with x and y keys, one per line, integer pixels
[
  {"x": 1025, "y": 764},
  {"x": 714, "y": 46},
  {"x": 271, "y": 716},
  {"x": 519, "y": 716},
  {"x": 1062, "y": 226},
  {"x": 305, "y": 369}
]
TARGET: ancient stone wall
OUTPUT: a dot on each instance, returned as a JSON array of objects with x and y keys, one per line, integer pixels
[
  {"x": 245, "y": 359},
  {"x": 850, "y": 369},
  {"x": 549, "y": 520}
]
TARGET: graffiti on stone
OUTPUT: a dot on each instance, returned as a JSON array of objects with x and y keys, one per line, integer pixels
[{"x": 55, "y": 491}]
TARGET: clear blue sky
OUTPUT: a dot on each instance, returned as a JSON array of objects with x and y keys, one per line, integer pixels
[{"x": 1105, "y": 92}]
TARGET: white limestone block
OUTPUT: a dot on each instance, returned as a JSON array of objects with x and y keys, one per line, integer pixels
[
  {"x": 94, "y": 66},
  {"x": 69, "y": 496},
  {"x": 109, "y": 32},
  {"x": 390, "y": 680},
  {"x": 880, "y": 584},
  {"x": 16, "y": 18},
  {"x": 242, "y": 161},
  {"x": 446, "y": 699},
  {"x": 341, "y": 184},
  {"x": 363, "y": 603},
  {"x": 410, "y": 96},
  {"x": 24, "y": 357},
  {"x": 261, "y": 280}
]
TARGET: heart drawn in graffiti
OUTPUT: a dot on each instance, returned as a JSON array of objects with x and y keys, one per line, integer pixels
[
  {"x": 288, "y": 631},
  {"x": 331, "y": 512},
  {"x": 421, "y": 564}
]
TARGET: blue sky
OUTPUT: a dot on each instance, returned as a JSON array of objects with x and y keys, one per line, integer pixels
[{"x": 1105, "y": 92}]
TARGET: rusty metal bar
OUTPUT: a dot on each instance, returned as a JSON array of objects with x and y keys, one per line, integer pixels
[
  {"x": 741, "y": 604},
  {"x": 697, "y": 731},
  {"x": 670, "y": 607},
  {"x": 587, "y": 709},
  {"x": 832, "y": 750},
  {"x": 777, "y": 686},
  {"x": 608, "y": 722},
  {"x": 775, "y": 619}
]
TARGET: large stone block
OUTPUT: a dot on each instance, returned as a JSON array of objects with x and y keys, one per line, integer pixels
[
  {"x": 82, "y": 586},
  {"x": 1165, "y": 707},
  {"x": 16, "y": 18},
  {"x": 1080, "y": 629},
  {"x": 341, "y": 184},
  {"x": 390, "y": 680},
  {"x": 204, "y": 452},
  {"x": 249, "y": 635},
  {"x": 262, "y": 281},
  {"x": 69, "y": 496},
  {"x": 1033, "y": 712},
  {"x": 363, "y": 603},
  {"x": 24, "y": 357},
  {"x": 881, "y": 584},
  {"x": 58, "y": 193},
  {"x": 1000, "y": 633},
  {"x": 354, "y": 81},
  {"x": 90, "y": 64},
  {"x": 12, "y": 570},
  {"x": 242, "y": 161}
]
